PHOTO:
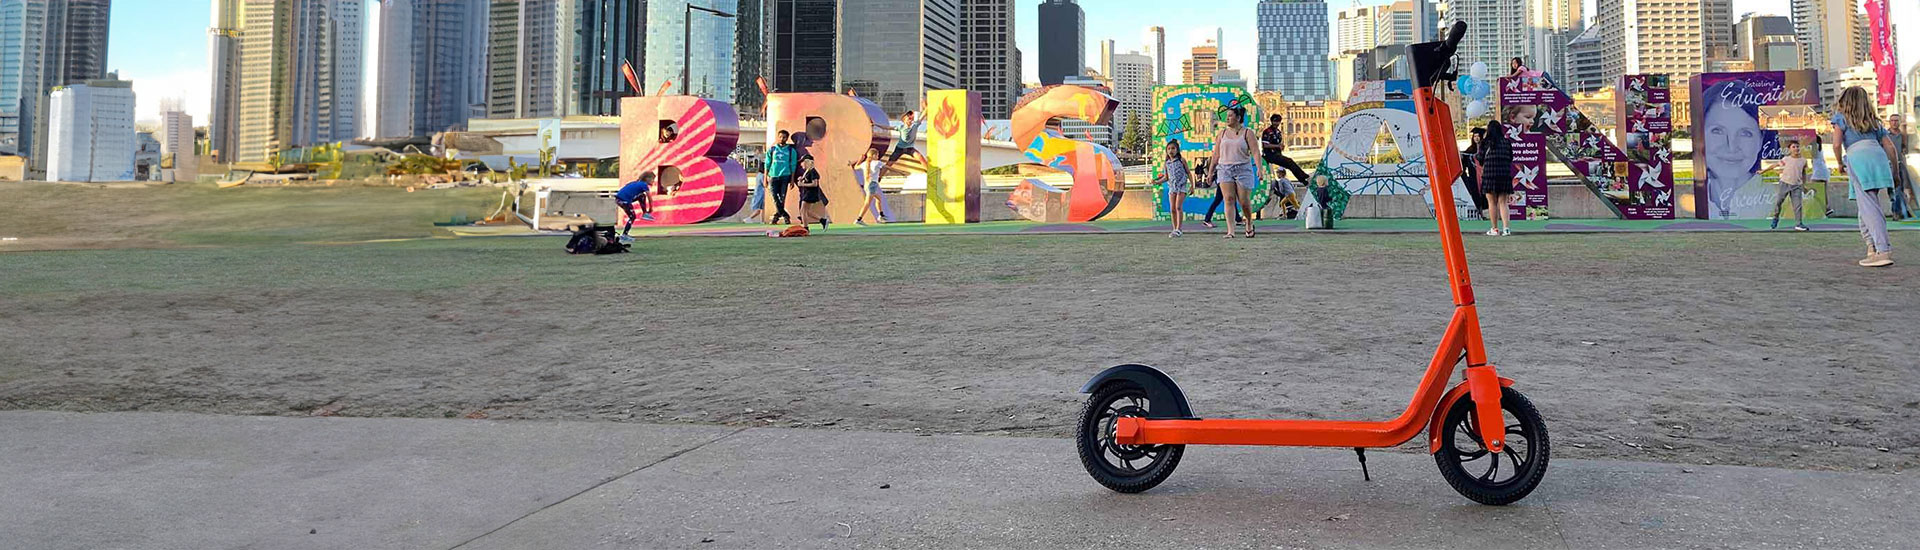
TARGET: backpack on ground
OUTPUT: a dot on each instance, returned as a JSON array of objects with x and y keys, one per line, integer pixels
[{"x": 596, "y": 239}]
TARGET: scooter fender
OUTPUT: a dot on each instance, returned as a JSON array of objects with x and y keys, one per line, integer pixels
[
  {"x": 1446, "y": 404},
  {"x": 1164, "y": 396}
]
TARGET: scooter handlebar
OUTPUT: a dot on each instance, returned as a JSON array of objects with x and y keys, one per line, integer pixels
[{"x": 1433, "y": 61}]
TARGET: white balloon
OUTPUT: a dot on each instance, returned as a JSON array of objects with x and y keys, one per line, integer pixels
[
  {"x": 1479, "y": 70},
  {"x": 1477, "y": 109}
]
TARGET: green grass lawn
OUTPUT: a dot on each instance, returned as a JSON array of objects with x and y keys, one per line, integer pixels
[{"x": 61, "y": 216}]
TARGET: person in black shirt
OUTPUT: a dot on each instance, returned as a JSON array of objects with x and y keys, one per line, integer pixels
[
  {"x": 1273, "y": 146},
  {"x": 1496, "y": 176},
  {"x": 1470, "y": 172}
]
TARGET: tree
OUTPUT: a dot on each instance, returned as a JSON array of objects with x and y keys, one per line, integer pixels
[{"x": 1134, "y": 137}]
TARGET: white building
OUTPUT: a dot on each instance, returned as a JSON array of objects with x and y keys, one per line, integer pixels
[
  {"x": 1832, "y": 33},
  {"x": 1133, "y": 86},
  {"x": 176, "y": 142},
  {"x": 1653, "y": 37},
  {"x": 90, "y": 132},
  {"x": 1356, "y": 28}
]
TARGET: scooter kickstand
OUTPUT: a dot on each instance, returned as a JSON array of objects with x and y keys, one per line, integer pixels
[{"x": 1362, "y": 453}]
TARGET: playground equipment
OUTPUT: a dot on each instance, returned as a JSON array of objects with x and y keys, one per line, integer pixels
[{"x": 1489, "y": 442}]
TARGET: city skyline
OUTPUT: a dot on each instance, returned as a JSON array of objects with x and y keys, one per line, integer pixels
[{"x": 162, "y": 47}]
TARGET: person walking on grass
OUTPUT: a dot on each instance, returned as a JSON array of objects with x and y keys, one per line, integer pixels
[
  {"x": 813, "y": 199},
  {"x": 1233, "y": 172},
  {"x": 1793, "y": 185},
  {"x": 1903, "y": 193},
  {"x": 1865, "y": 152},
  {"x": 1496, "y": 178},
  {"x": 635, "y": 192},
  {"x": 870, "y": 171},
  {"x": 782, "y": 160},
  {"x": 1174, "y": 175}
]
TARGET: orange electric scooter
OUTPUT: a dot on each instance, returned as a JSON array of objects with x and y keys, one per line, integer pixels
[{"x": 1488, "y": 440}]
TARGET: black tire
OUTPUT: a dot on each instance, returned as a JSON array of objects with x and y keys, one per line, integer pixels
[
  {"x": 1525, "y": 455},
  {"x": 1123, "y": 468}
]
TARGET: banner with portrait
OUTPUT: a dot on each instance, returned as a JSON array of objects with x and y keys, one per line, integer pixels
[{"x": 1729, "y": 144}]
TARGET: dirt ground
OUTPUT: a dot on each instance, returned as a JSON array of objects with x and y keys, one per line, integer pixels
[{"x": 1767, "y": 350}]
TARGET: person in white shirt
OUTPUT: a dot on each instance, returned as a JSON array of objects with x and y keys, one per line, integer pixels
[{"x": 870, "y": 170}]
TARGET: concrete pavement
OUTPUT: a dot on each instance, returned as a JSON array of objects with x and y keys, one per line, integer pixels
[{"x": 152, "y": 480}]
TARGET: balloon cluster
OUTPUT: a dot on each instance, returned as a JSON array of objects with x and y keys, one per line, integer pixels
[{"x": 1474, "y": 86}]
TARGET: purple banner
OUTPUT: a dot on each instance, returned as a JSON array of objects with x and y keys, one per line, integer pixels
[
  {"x": 1729, "y": 144},
  {"x": 1646, "y": 110},
  {"x": 1529, "y": 174},
  {"x": 1534, "y": 104}
]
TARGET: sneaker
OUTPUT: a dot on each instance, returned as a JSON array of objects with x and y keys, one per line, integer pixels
[
  {"x": 1798, "y": 227},
  {"x": 648, "y": 217},
  {"x": 1175, "y": 234},
  {"x": 1775, "y": 224},
  {"x": 1208, "y": 224},
  {"x": 1880, "y": 259},
  {"x": 1493, "y": 232},
  {"x": 1506, "y": 232},
  {"x": 860, "y": 222}
]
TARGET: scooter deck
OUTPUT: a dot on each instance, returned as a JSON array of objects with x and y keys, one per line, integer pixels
[{"x": 1277, "y": 433}]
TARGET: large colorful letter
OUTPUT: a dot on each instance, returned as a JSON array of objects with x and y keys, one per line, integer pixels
[
  {"x": 953, "y": 182},
  {"x": 1096, "y": 185},
  {"x": 837, "y": 130},
  {"x": 685, "y": 141},
  {"x": 1191, "y": 114},
  {"x": 1729, "y": 144},
  {"x": 1544, "y": 122}
]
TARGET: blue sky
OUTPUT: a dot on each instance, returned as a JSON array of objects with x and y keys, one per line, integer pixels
[{"x": 161, "y": 45}]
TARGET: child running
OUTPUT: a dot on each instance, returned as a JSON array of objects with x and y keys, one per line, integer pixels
[{"x": 870, "y": 170}]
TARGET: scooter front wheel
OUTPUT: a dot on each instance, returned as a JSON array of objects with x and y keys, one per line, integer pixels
[
  {"x": 1495, "y": 479},
  {"x": 1123, "y": 468}
]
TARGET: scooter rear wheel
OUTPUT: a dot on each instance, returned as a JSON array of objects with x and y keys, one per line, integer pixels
[
  {"x": 1123, "y": 468},
  {"x": 1489, "y": 478}
]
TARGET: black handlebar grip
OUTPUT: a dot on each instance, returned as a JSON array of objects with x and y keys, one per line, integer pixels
[{"x": 1455, "y": 34}]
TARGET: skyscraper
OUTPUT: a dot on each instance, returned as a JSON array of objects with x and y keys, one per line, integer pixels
[
  {"x": 299, "y": 74},
  {"x": 1586, "y": 63},
  {"x": 432, "y": 76},
  {"x": 1133, "y": 86},
  {"x": 1200, "y": 68},
  {"x": 1063, "y": 43},
  {"x": 712, "y": 36},
  {"x": 1293, "y": 49},
  {"x": 44, "y": 44},
  {"x": 1106, "y": 57},
  {"x": 989, "y": 63},
  {"x": 223, "y": 130},
  {"x": 1768, "y": 41},
  {"x": 1399, "y": 23},
  {"x": 751, "y": 37},
  {"x": 1551, "y": 24},
  {"x": 1157, "y": 47},
  {"x": 1356, "y": 28},
  {"x": 1496, "y": 31},
  {"x": 1832, "y": 33},
  {"x": 1652, "y": 37},
  {"x": 895, "y": 69},
  {"x": 525, "y": 58},
  {"x": 804, "y": 40},
  {"x": 1716, "y": 25},
  {"x": 610, "y": 34}
]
